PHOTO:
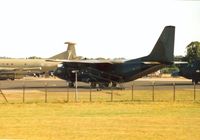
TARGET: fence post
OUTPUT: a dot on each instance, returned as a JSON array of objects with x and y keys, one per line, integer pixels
[
  {"x": 132, "y": 91},
  {"x": 174, "y": 91},
  {"x": 3, "y": 95},
  {"x": 194, "y": 91},
  {"x": 46, "y": 92},
  {"x": 23, "y": 92},
  {"x": 153, "y": 86},
  {"x": 68, "y": 93},
  {"x": 90, "y": 94},
  {"x": 111, "y": 94}
]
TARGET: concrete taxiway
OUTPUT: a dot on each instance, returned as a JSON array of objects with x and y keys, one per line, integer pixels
[{"x": 56, "y": 84}]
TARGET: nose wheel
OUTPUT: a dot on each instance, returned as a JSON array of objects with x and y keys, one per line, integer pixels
[
  {"x": 195, "y": 81},
  {"x": 93, "y": 85},
  {"x": 71, "y": 84}
]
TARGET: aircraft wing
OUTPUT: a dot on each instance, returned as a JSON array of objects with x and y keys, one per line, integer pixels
[
  {"x": 8, "y": 69},
  {"x": 88, "y": 61},
  {"x": 18, "y": 69},
  {"x": 32, "y": 68},
  {"x": 99, "y": 62},
  {"x": 175, "y": 62},
  {"x": 180, "y": 62},
  {"x": 151, "y": 63}
]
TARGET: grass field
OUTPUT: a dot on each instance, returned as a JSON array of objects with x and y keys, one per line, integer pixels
[
  {"x": 101, "y": 120},
  {"x": 62, "y": 118},
  {"x": 40, "y": 96}
]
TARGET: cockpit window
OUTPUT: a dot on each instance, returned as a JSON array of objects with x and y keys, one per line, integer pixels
[
  {"x": 190, "y": 65},
  {"x": 60, "y": 65}
]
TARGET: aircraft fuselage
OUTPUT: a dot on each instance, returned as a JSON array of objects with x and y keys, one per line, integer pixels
[
  {"x": 119, "y": 72},
  {"x": 190, "y": 71}
]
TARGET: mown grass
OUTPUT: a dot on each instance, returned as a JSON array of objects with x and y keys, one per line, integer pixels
[
  {"x": 62, "y": 118},
  {"x": 40, "y": 96},
  {"x": 101, "y": 120}
]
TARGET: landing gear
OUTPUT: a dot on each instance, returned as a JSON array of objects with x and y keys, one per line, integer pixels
[
  {"x": 93, "y": 85},
  {"x": 100, "y": 85},
  {"x": 195, "y": 81},
  {"x": 71, "y": 84},
  {"x": 103, "y": 85},
  {"x": 114, "y": 84}
]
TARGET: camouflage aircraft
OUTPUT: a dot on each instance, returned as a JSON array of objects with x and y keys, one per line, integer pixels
[
  {"x": 106, "y": 72},
  {"x": 18, "y": 68},
  {"x": 189, "y": 71}
]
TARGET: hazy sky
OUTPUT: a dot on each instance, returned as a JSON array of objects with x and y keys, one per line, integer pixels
[{"x": 101, "y": 28}]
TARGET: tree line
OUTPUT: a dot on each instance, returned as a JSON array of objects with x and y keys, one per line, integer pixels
[{"x": 192, "y": 54}]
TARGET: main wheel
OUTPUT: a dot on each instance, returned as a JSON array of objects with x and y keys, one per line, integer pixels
[
  {"x": 103, "y": 85},
  {"x": 114, "y": 84},
  {"x": 195, "y": 81},
  {"x": 71, "y": 84},
  {"x": 93, "y": 84}
]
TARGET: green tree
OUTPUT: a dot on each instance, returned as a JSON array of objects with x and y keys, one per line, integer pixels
[
  {"x": 34, "y": 57},
  {"x": 193, "y": 51},
  {"x": 178, "y": 58}
]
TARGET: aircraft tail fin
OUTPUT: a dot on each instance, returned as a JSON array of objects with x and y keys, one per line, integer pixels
[
  {"x": 69, "y": 54},
  {"x": 163, "y": 50}
]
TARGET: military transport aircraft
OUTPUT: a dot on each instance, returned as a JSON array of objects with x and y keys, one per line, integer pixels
[
  {"x": 105, "y": 72},
  {"x": 189, "y": 71},
  {"x": 18, "y": 68}
]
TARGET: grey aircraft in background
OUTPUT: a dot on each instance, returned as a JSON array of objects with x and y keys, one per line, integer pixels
[{"x": 17, "y": 68}]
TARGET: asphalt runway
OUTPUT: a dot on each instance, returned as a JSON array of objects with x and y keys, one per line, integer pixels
[{"x": 55, "y": 84}]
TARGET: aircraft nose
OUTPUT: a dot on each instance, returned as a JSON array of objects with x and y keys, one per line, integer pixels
[
  {"x": 57, "y": 72},
  {"x": 175, "y": 73},
  {"x": 54, "y": 73}
]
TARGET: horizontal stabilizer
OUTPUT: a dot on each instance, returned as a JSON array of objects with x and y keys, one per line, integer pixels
[
  {"x": 152, "y": 63},
  {"x": 180, "y": 62}
]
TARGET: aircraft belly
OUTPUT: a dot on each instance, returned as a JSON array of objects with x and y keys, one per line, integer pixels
[
  {"x": 192, "y": 75},
  {"x": 92, "y": 73},
  {"x": 11, "y": 75},
  {"x": 96, "y": 75},
  {"x": 88, "y": 73},
  {"x": 146, "y": 69}
]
